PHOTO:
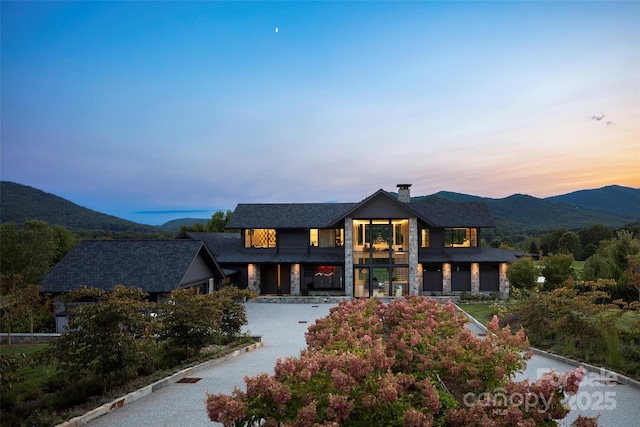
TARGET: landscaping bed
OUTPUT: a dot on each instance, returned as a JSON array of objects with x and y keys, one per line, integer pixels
[{"x": 32, "y": 402}]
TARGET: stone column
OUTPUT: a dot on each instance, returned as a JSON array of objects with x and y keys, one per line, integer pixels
[
  {"x": 414, "y": 282},
  {"x": 446, "y": 278},
  {"x": 348, "y": 257},
  {"x": 253, "y": 277},
  {"x": 475, "y": 278},
  {"x": 294, "y": 279},
  {"x": 504, "y": 284}
]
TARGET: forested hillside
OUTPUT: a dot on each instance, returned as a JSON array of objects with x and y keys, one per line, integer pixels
[
  {"x": 19, "y": 203},
  {"x": 522, "y": 213}
]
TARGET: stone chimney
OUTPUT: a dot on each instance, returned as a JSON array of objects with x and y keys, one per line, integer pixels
[{"x": 404, "y": 194}]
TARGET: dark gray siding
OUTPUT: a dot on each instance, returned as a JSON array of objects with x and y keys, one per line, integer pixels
[{"x": 293, "y": 241}]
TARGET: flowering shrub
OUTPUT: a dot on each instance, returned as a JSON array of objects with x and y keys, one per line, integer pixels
[{"x": 407, "y": 363}]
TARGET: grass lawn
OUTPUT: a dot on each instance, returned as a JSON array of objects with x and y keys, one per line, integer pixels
[
  {"x": 627, "y": 319},
  {"x": 34, "y": 374},
  {"x": 483, "y": 313}
]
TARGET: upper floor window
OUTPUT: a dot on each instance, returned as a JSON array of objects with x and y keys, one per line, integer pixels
[
  {"x": 259, "y": 238},
  {"x": 460, "y": 237},
  {"x": 326, "y": 238}
]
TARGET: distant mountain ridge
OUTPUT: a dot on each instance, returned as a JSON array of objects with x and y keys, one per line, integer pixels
[
  {"x": 613, "y": 198},
  {"x": 613, "y": 206},
  {"x": 20, "y": 203}
]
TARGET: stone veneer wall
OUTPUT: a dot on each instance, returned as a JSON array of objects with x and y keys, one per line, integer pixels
[
  {"x": 504, "y": 281},
  {"x": 414, "y": 282},
  {"x": 475, "y": 278},
  {"x": 294, "y": 279},
  {"x": 446, "y": 278},
  {"x": 348, "y": 257},
  {"x": 253, "y": 276}
]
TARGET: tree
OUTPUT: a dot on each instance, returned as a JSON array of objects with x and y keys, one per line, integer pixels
[
  {"x": 549, "y": 241},
  {"x": 556, "y": 269},
  {"x": 101, "y": 334},
  {"x": 32, "y": 250},
  {"x": 64, "y": 242},
  {"x": 569, "y": 243},
  {"x": 611, "y": 260},
  {"x": 218, "y": 221},
  {"x": 217, "y": 224},
  {"x": 190, "y": 320},
  {"x": 590, "y": 238},
  {"x": 632, "y": 273},
  {"x": 523, "y": 273}
]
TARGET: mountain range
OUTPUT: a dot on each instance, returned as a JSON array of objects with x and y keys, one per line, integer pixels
[{"x": 613, "y": 206}]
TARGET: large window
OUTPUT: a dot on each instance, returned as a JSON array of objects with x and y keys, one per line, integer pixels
[
  {"x": 381, "y": 257},
  {"x": 260, "y": 238},
  {"x": 323, "y": 277},
  {"x": 326, "y": 238},
  {"x": 460, "y": 237}
]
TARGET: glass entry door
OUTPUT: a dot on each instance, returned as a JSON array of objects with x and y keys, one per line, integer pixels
[{"x": 380, "y": 257}]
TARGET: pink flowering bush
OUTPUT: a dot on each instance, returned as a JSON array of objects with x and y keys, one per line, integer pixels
[{"x": 411, "y": 362}]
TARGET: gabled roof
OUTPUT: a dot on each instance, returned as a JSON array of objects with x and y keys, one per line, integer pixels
[
  {"x": 155, "y": 266},
  {"x": 441, "y": 212},
  {"x": 435, "y": 212}
]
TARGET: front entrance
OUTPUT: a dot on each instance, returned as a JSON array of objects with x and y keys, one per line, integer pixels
[
  {"x": 381, "y": 281},
  {"x": 275, "y": 279},
  {"x": 380, "y": 257}
]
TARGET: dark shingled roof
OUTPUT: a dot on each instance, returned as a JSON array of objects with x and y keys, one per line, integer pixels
[
  {"x": 229, "y": 250},
  {"x": 218, "y": 243},
  {"x": 287, "y": 215},
  {"x": 156, "y": 266},
  {"x": 444, "y": 213},
  {"x": 437, "y": 212}
]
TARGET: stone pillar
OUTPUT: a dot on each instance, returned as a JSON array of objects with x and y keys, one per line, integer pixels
[
  {"x": 414, "y": 282},
  {"x": 504, "y": 284},
  {"x": 475, "y": 278},
  {"x": 348, "y": 257},
  {"x": 446, "y": 278},
  {"x": 295, "y": 279},
  {"x": 253, "y": 277}
]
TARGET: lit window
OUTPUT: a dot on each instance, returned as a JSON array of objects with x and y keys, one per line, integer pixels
[
  {"x": 460, "y": 237},
  {"x": 260, "y": 238},
  {"x": 424, "y": 238},
  {"x": 326, "y": 238}
]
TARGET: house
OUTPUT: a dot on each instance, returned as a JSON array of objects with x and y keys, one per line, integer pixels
[
  {"x": 156, "y": 266},
  {"x": 381, "y": 246}
]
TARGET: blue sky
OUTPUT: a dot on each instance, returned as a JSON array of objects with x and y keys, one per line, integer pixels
[{"x": 157, "y": 110}]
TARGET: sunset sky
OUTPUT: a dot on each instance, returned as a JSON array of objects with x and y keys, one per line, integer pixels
[{"x": 158, "y": 110}]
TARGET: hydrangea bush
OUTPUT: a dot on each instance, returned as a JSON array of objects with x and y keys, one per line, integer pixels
[{"x": 411, "y": 362}]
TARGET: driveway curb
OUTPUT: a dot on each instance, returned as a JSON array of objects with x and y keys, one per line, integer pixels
[
  {"x": 135, "y": 395},
  {"x": 596, "y": 369}
]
